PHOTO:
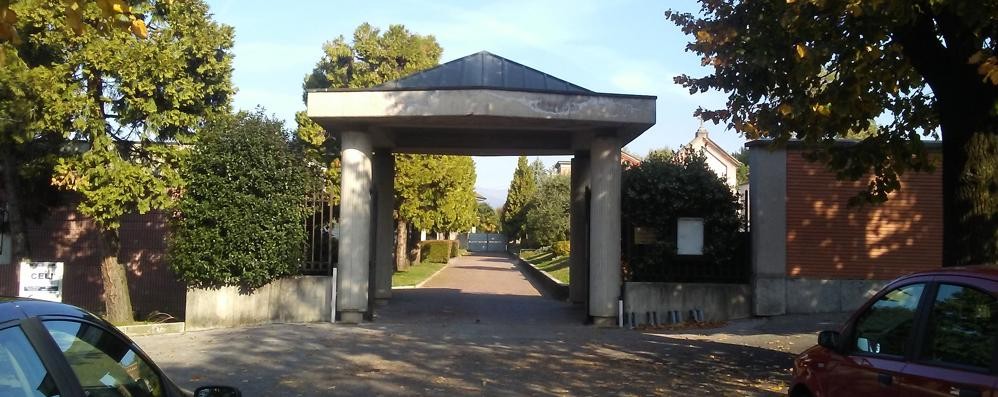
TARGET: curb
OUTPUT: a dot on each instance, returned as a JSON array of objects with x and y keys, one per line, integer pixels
[
  {"x": 152, "y": 329},
  {"x": 556, "y": 288},
  {"x": 421, "y": 283}
]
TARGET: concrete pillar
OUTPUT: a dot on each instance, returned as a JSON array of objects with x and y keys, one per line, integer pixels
[
  {"x": 384, "y": 247},
  {"x": 355, "y": 227},
  {"x": 768, "y": 211},
  {"x": 604, "y": 236},
  {"x": 578, "y": 288}
]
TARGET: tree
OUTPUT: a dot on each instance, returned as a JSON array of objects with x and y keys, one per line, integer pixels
[
  {"x": 546, "y": 219},
  {"x": 540, "y": 172},
  {"x": 814, "y": 70},
  {"x": 657, "y": 192},
  {"x": 521, "y": 190},
  {"x": 488, "y": 218},
  {"x": 127, "y": 83},
  {"x": 741, "y": 174},
  {"x": 239, "y": 220},
  {"x": 374, "y": 57}
]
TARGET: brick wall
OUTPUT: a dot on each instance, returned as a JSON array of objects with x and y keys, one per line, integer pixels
[
  {"x": 66, "y": 236},
  {"x": 829, "y": 240}
]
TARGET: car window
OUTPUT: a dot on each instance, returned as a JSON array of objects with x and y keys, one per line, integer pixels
[
  {"x": 104, "y": 364},
  {"x": 884, "y": 328},
  {"x": 961, "y": 317},
  {"x": 21, "y": 371}
]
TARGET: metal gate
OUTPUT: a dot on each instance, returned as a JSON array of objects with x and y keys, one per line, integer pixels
[{"x": 486, "y": 242}]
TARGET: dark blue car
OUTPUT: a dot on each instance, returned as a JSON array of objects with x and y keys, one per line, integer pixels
[{"x": 53, "y": 349}]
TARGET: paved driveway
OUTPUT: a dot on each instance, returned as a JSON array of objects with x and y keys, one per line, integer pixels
[{"x": 479, "y": 329}]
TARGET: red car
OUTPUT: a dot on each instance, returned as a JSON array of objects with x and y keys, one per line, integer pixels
[{"x": 926, "y": 334}]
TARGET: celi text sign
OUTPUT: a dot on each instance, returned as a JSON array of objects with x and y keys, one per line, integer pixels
[{"x": 41, "y": 280}]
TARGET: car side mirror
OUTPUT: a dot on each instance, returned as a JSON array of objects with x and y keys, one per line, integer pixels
[
  {"x": 217, "y": 391},
  {"x": 829, "y": 340}
]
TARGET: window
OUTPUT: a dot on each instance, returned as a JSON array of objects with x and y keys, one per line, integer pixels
[
  {"x": 885, "y": 327},
  {"x": 961, "y": 327},
  {"x": 104, "y": 364},
  {"x": 21, "y": 371}
]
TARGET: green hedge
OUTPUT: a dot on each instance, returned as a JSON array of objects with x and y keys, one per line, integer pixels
[
  {"x": 437, "y": 251},
  {"x": 561, "y": 248},
  {"x": 455, "y": 248}
]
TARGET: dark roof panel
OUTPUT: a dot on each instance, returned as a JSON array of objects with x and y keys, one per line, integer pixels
[{"x": 483, "y": 70}]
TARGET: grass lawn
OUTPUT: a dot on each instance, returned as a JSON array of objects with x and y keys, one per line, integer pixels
[
  {"x": 556, "y": 266},
  {"x": 416, "y": 274}
]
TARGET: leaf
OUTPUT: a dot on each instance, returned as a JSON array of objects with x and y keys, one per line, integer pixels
[
  {"x": 801, "y": 50},
  {"x": 785, "y": 109},
  {"x": 138, "y": 28}
]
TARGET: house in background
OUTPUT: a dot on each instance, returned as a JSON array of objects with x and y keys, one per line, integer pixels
[{"x": 719, "y": 160}]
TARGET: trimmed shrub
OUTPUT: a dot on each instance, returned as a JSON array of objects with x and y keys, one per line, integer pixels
[
  {"x": 239, "y": 221},
  {"x": 561, "y": 248},
  {"x": 437, "y": 251},
  {"x": 455, "y": 248}
]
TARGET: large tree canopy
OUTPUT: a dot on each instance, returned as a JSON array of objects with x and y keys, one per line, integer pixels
[
  {"x": 815, "y": 70},
  {"x": 126, "y": 82}
]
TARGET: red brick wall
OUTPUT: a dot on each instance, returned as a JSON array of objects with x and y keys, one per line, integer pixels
[
  {"x": 828, "y": 239},
  {"x": 66, "y": 236}
]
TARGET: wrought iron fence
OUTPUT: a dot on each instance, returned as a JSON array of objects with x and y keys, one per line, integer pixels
[{"x": 320, "y": 242}]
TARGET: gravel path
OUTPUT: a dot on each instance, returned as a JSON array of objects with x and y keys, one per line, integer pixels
[{"x": 479, "y": 328}]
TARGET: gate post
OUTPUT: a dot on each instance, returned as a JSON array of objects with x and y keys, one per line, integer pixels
[
  {"x": 578, "y": 286},
  {"x": 604, "y": 222},
  {"x": 355, "y": 227}
]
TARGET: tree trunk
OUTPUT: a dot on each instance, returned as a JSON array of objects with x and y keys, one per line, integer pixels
[
  {"x": 970, "y": 191},
  {"x": 401, "y": 242},
  {"x": 18, "y": 233},
  {"x": 117, "y": 300}
]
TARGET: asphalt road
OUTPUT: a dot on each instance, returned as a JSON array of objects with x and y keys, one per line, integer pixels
[{"x": 480, "y": 328}]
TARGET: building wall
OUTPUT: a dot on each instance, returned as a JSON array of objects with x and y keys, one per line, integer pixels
[
  {"x": 812, "y": 252},
  {"x": 66, "y": 236},
  {"x": 828, "y": 239}
]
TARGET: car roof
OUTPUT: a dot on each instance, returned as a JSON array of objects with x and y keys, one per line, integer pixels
[
  {"x": 988, "y": 272},
  {"x": 18, "y": 308}
]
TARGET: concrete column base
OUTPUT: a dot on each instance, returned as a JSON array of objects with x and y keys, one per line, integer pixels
[
  {"x": 351, "y": 317},
  {"x": 605, "y": 322}
]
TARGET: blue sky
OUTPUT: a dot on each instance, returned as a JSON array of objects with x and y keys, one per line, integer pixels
[{"x": 607, "y": 46}]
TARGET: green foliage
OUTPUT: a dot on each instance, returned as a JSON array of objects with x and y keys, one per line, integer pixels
[
  {"x": 561, "y": 248},
  {"x": 816, "y": 70},
  {"x": 546, "y": 219},
  {"x": 374, "y": 57},
  {"x": 657, "y": 193},
  {"x": 521, "y": 191},
  {"x": 742, "y": 173},
  {"x": 120, "y": 94},
  {"x": 437, "y": 251},
  {"x": 455, "y": 248},
  {"x": 663, "y": 154},
  {"x": 488, "y": 219},
  {"x": 240, "y": 217},
  {"x": 436, "y": 192}
]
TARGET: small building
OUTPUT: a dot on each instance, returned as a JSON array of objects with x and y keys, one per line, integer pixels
[
  {"x": 719, "y": 160},
  {"x": 628, "y": 160}
]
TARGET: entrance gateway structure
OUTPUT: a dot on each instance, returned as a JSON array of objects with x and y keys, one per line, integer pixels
[{"x": 482, "y": 105}]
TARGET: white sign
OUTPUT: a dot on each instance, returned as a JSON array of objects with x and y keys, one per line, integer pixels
[
  {"x": 689, "y": 236},
  {"x": 41, "y": 280}
]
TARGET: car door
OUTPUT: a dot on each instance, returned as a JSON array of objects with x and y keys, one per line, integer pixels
[
  {"x": 955, "y": 355},
  {"x": 104, "y": 364},
  {"x": 29, "y": 365},
  {"x": 876, "y": 344}
]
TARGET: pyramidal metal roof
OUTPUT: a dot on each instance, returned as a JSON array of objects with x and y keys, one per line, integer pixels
[{"x": 484, "y": 70}]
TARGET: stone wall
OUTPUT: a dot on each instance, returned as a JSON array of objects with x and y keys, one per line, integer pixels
[
  {"x": 719, "y": 302},
  {"x": 290, "y": 300}
]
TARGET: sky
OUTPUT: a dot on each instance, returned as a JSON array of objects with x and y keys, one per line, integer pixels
[{"x": 625, "y": 47}]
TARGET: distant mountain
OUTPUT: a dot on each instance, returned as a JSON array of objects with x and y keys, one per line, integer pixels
[{"x": 495, "y": 197}]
